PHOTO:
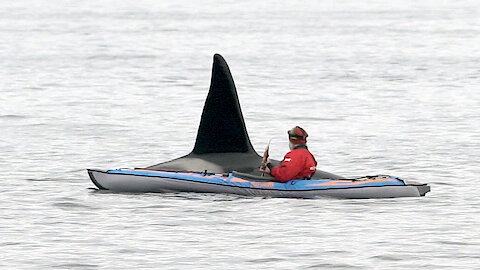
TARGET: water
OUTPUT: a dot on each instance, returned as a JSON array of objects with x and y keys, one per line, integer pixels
[{"x": 381, "y": 87}]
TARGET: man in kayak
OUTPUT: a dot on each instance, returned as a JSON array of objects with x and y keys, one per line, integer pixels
[{"x": 299, "y": 163}]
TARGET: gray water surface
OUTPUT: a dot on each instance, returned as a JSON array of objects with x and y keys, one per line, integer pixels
[{"x": 382, "y": 87}]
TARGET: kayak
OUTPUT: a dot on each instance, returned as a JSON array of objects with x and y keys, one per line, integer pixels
[
  {"x": 223, "y": 160},
  {"x": 132, "y": 180}
]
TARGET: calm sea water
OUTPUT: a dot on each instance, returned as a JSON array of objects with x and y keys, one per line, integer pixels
[{"x": 381, "y": 87}]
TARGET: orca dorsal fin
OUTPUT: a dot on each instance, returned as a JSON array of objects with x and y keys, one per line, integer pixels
[{"x": 222, "y": 127}]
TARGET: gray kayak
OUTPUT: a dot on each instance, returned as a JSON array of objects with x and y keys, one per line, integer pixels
[{"x": 131, "y": 180}]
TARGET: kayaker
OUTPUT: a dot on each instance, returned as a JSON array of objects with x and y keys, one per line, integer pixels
[{"x": 299, "y": 163}]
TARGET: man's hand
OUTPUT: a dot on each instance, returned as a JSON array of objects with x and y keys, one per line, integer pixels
[{"x": 264, "y": 169}]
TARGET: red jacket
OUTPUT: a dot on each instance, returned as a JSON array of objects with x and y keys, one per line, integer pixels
[{"x": 297, "y": 164}]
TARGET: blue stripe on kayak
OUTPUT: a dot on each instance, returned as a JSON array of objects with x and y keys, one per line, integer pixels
[{"x": 231, "y": 180}]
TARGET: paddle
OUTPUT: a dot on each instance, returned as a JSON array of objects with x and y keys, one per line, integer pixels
[{"x": 263, "y": 165}]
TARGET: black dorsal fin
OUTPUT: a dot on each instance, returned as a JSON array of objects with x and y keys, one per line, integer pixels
[
  {"x": 222, "y": 128},
  {"x": 222, "y": 143}
]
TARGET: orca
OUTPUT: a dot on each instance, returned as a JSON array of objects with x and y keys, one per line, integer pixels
[{"x": 222, "y": 144}]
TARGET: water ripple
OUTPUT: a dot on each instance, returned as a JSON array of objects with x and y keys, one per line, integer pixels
[{"x": 388, "y": 87}]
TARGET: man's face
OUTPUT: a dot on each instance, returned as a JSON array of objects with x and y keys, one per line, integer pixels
[{"x": 291, "y": 145}]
